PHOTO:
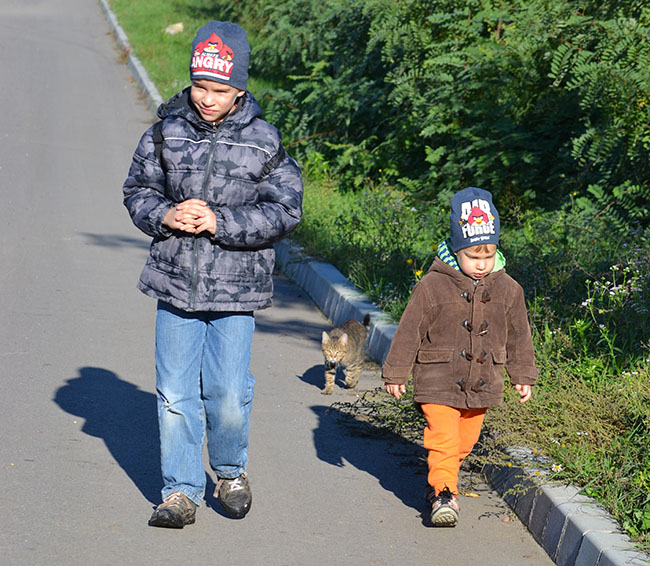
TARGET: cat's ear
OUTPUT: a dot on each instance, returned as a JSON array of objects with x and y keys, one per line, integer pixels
[
  {"x": 326, "y": 338},
  {"x": 344, "y": 339}
]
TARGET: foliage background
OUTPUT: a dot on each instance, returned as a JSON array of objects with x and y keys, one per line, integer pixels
[{"x": 531, "y": 100}]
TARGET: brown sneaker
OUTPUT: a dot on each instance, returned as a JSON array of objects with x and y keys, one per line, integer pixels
[
  {"x": 176, "y": 511},
  {"x": 444, "y": 509}
]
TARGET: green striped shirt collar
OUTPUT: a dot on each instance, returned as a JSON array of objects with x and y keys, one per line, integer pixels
[{"x": 445, "y": 254}]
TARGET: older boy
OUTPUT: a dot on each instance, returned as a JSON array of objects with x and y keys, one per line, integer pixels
[
  {"x": 213, "y": 186},
  {"x": 465, "y": 322}
]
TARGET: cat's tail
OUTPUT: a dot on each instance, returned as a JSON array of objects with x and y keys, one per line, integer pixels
[{"x": 366, "y": 320}]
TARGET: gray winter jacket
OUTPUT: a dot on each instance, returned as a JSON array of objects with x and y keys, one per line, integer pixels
[{"x": 224, "y": 165}]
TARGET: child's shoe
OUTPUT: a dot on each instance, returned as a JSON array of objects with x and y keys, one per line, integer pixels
[{"x": 444, "y": 508}]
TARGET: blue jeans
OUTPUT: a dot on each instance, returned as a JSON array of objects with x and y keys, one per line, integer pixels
[{"x": 204, "y": 387}]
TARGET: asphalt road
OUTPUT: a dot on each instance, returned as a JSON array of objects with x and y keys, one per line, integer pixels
[{"x": 79, "y": 465}]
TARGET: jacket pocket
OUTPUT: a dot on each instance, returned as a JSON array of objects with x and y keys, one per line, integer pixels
[
  {"x": 435, "y": 356},
  {"x": 499, "y": 356}
]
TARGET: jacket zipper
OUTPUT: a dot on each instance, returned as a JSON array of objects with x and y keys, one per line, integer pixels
[{"x": 204, "y": 196}]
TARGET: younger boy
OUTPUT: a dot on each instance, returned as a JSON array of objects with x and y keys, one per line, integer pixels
[
  {"x": 465, "y": 322},
  {"x": 213, "y": 186}
]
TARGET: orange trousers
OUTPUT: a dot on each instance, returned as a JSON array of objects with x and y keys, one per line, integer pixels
[{"x": 450, "y": 435}]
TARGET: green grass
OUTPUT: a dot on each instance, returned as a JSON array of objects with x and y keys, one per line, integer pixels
[{"x": 587, "y": 287}]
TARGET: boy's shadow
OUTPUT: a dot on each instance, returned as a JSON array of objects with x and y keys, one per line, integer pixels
[
  {"x": 399, "y": 465},
  {"x": 124, "y": 416}
]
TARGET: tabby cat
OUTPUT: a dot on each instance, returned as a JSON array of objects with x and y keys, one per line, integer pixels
[{"x": 344, "y": 345}]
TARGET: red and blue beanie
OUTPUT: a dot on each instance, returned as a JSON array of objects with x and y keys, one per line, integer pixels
[
  {"x": 221, "y": 53},
  {"x": 473, "y": 219}
]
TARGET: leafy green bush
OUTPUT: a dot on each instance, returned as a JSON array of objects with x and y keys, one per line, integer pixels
[
  {"x": 531, "y": 100},
  {"x": 534, "y": 101}
]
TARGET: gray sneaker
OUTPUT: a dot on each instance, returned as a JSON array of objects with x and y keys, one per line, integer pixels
[
  {"x": 444, "y": 509},
  {"x": 176, "y": 511},
  {"x": 234, "y": 495}
]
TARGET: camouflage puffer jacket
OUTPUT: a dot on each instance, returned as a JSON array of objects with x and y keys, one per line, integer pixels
[{"x": 224, "y": 165}]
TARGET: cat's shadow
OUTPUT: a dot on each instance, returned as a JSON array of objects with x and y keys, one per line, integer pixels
[{"x": 315, "y": 376}]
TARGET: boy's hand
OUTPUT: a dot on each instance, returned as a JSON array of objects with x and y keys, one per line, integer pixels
[
  {"x": 395, "y": 390},
  {"x": 525, "y": 391},
  {"x": 191, "y": 216}
]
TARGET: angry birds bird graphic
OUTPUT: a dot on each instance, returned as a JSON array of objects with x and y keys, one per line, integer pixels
[
  {"x": 477, "y": 216},
  {"x": 214, "y": 46}
]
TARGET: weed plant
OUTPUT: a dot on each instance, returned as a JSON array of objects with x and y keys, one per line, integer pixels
[{"x": 379, "y": 237}]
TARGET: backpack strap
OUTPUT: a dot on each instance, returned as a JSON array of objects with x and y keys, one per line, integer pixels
[
  {"x": 158, "y": 140},
  {"x": 274, "y": 161}
]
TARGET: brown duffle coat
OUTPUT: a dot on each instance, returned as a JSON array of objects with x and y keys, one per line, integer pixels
[{"x": 456, "y": 337}]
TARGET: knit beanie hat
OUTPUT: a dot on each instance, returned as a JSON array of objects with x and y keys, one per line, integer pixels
[
  {"x": 220, "y": 53},
  {"x": 473, "y": 219}
]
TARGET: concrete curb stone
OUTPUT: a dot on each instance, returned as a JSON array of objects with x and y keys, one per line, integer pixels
[
  {"x": 572, "y": 528},
  {"x": 152, "y": 96}
]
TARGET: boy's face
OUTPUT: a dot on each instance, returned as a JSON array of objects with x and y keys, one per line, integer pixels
[
  {"x": 477, "y": 264},
  {"x": 213, "y": 100}
]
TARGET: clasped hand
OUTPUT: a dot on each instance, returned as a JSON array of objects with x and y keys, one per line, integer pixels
[{"x": 191, "y": 216}]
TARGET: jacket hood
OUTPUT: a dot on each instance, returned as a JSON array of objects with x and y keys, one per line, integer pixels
[{"x": 181, "y": 105}]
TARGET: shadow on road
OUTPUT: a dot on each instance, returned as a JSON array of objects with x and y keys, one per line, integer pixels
[
  {"x": 398, "y": 464},
  {"x": 124, "y": 417},
  {"x": 290, "y": 329},
  {"x": 116, "y": 241}
]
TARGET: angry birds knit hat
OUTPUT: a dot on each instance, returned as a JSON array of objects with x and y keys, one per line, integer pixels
[
  {"x": 221, "y": 53},
  {"x": 473, "y": 219}
]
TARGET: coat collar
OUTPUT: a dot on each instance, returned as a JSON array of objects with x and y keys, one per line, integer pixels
[
  {"x": 460, "y": 278},
  {"x": 181, "y": 105}
]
